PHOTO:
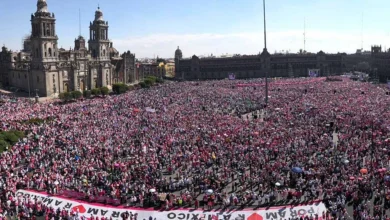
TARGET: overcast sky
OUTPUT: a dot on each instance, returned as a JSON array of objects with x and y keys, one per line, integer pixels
[{"x": 152, "y": 28}]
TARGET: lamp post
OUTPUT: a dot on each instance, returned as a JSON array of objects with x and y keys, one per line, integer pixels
[
  {"x": 28, "y": 80},
  {"x": 36, "y": 96},
  {"x": 265, "y": 49}
]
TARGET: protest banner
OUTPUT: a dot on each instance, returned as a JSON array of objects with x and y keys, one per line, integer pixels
[{"x": 88, "y": 210}]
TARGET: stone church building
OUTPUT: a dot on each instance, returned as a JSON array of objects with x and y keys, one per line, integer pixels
[{"x": 44, "y": 67}]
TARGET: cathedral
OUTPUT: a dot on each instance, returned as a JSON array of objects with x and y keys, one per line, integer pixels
[{"x": 44, "y": 68}]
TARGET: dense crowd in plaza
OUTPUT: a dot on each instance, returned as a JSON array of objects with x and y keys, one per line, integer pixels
[{"x": 187, "y": 144}]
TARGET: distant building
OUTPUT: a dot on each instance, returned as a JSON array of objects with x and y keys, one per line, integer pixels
[
  {"x": 170, "y": 69},
  {"x": 125, "y": 67},
  {"x": 166, "y": 69},
  {"x": 50, "y": 70},
  {"x": 255, "y": 66},
  {"x": 353, "y": 60},
  {"x": 380, "y": 63},
  {"x": 148, "y": 69}
]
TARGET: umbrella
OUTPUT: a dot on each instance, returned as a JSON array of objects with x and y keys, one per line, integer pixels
[
  {"x": 278, "y": 184},
  {"x": 152, "y": 190},
  {"x": 387, "y": 178},
  {"x": 352, "y": 178},
  {"x": 209, "y": 191},
  {"x": 56, "y": 182},
  {"x": 346, "y": 161},
  {"x": 297, "y": 170}
]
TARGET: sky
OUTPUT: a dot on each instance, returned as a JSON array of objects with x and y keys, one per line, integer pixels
[{"x": 151, "y": 28}]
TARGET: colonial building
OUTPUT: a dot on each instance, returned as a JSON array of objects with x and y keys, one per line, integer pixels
[
  {"x": 254, "y": 66},
  {"x": 148, "y": 69},
  {"x": 380, "y": 61},
  {"x": 125, "y": 67},
  {"x": 166, "y": 69},
  {"x": 44, "y": 67}
]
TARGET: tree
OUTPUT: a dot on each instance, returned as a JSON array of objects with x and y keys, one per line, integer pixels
[
  {"x": 11, "y": 138},
  {"x": 142, "y": 84},
  {"x": 104, "y": 91},
  {"x": 87, "y": 94},
  {"x": 159, "y": 80},
  {"x": 95, "y": 91},
  {"x": 61, "y": 96},
  {"x": 120, "y": 88},
  {"x": 153, "y": 79},
  {"x": 148, "y": 82},
  {"x": 65, "y": 96},
  {"x": 76, "y": 94},
  {"x": 3, "y": 145}
]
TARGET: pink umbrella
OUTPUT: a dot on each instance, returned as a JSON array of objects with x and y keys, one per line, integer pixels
[{"x": 352, "y": 178}]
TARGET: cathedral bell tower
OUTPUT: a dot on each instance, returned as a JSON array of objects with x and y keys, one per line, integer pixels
[
  {"x": 43, "y": 36},
  {"x": 98, "y": 43}
]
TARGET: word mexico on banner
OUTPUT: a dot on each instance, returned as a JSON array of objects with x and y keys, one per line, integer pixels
[{"x": 88, "y": 210}]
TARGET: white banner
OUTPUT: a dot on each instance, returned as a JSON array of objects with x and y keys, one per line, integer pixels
[{"x": 87, "y": 210}]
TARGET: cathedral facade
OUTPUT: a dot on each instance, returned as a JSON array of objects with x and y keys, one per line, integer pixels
[{"x": 44, "y": 68}]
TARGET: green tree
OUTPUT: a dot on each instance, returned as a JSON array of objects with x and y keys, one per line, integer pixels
[
  {"x": 65, "y": 96},
  {"x": 68, "y": 96},
  {"x": 87, "y": 94},
  {"x": 142, "y": 84},
  {"x": 11, "y": 138},
  {"x": 104, "y": 91},
  {"x": 3, "y": 145},
  {"x": 120, "y": 88},
  {"x": 148, "y": 82},
  {"x": 151, "y": 78},
  {"x": 159, "y": 80},
  {"x": 95, "y": 91},
  {"x": 76, "y": 94},
  {"x": 61, "y": 96}
]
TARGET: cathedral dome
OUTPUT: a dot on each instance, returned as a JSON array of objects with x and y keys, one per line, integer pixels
[
  {"x": 99, "y": 15},
  {"x": 42, "y": 6},
  {"x": 178, "y": 53}
]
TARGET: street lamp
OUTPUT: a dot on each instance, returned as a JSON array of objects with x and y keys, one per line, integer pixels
[
  {"x": 28, "y": 80},
  {"x": 36, "y": 96},
  {"x": 265, "y": 49}
]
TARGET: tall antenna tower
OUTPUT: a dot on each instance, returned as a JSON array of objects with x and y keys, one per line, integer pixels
[
  {"x": 304, "y": 35},
  {"x": 79, "y": 22},
  {"x": 361, "y": 47}
]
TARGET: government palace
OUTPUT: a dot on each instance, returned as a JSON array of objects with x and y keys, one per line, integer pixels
[
  {"x": 44, "y": 68},
  {"x": 255, "y": 66}
]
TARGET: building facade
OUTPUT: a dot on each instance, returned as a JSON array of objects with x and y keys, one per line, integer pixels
[
  {"x": 255, "y": 66},
  {"x": 148, "y": 69},
  {"x": 166, "y": 69},
  {"x": 380, "y": 62},
  {"x": 48, "y": 70}
]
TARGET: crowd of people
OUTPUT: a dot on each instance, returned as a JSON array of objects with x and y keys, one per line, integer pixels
[{"x": 187, "y": 144}]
